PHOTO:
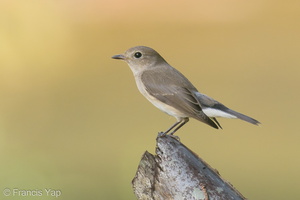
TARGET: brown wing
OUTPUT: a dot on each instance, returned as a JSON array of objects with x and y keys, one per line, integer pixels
[{"x": 177, "y": 94}]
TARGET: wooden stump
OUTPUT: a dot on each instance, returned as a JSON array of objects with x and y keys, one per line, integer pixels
[{"x": 175, "y": 172}]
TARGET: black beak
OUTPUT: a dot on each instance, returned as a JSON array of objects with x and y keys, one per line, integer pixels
[{"x": 121, "y": 57}]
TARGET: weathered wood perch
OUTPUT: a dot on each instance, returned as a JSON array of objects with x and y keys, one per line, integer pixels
[{"x": 175, "y": 172}]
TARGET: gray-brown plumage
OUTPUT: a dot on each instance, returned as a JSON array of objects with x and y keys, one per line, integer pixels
[{"x": 170, "y": 91}]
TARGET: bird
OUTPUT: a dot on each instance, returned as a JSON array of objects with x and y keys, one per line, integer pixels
[{"x": 171, "y": 92}]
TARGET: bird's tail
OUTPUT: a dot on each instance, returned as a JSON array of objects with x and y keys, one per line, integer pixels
[{"x": 242, "y": 117}]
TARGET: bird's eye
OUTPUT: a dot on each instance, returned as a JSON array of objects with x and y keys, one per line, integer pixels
[{"x": 138, "y": 55}]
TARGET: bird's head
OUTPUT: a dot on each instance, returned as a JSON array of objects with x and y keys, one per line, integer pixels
[{"x": 140, "y": 58}]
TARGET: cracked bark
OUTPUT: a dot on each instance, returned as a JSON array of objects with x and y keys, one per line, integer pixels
[{"x": 175, "y": 172}]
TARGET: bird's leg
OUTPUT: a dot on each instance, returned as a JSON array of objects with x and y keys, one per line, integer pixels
[
  {"x": 173, "y": 126},
  {"x": 182, "y": 122}
]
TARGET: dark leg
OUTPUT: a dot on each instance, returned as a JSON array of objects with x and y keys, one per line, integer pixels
[
  {"x": 182, "y": 122},
  {"x": 174, "y": 125}
]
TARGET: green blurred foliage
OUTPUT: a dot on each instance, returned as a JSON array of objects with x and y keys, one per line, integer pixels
[{"x": 72, "y": 119}]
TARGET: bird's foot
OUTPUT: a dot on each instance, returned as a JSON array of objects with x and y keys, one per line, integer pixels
[
  {"x": 164, "y": 134},
  {"x": 175, "y": 137},
  {"x": 161, "y": 134}
]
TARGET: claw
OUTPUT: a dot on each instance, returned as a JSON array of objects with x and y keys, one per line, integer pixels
[
  {"x": 161, "y": 134},
  {"x": 175, "y": 137}
]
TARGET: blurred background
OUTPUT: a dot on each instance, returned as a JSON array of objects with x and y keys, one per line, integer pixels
[{"x": 72, "y": 119}]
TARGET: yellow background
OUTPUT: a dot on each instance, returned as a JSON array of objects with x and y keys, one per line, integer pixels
[{"x": 71, "y": 118}]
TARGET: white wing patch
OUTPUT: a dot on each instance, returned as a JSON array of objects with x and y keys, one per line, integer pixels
[{"x": 210, "y": 112}]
